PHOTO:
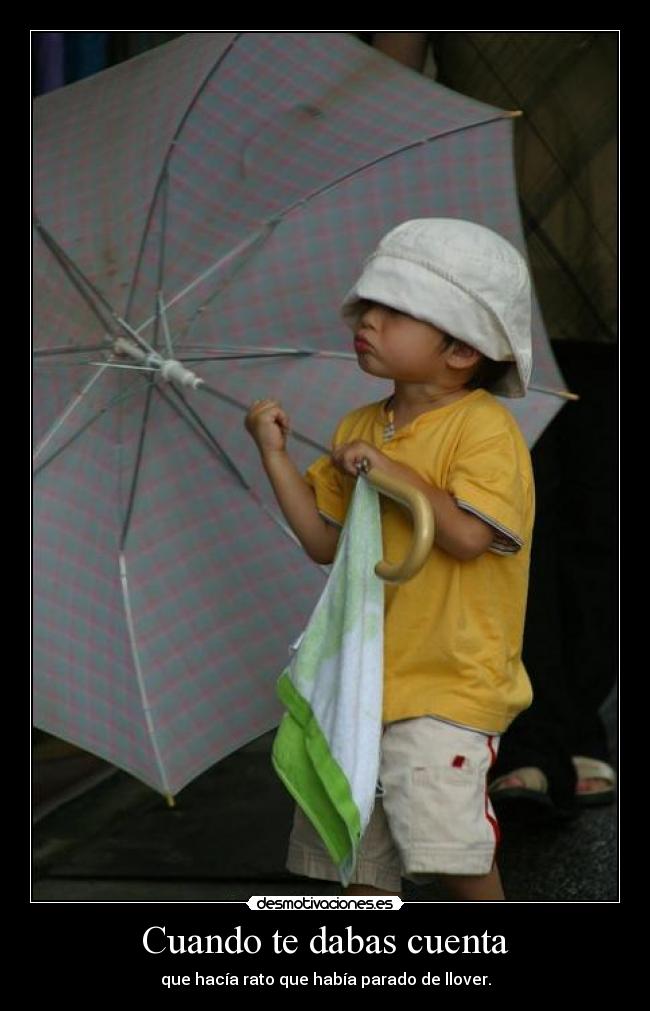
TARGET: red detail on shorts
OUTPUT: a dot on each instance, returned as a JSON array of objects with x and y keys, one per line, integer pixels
[
  {"x": 492, "y": 820},
  {"x": 458, "y": 762}
]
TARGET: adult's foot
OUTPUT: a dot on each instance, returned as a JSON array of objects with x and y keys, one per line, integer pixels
[
  {"x": 522, "y": 797},
  {"x": 596, "y": 782}
]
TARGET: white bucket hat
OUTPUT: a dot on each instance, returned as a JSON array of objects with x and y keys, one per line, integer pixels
[{"x": 464, "y": 279}]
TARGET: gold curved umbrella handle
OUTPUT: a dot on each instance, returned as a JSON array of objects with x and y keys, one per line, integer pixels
[{"x": 423, "y": 525}]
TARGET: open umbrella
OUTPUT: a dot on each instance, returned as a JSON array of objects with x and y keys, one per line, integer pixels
[{"x": 200, "y": 212}]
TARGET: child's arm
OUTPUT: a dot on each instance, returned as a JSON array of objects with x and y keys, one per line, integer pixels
[
  {"x": 458, "y": 532},
  {"x": 269, "y": 426}
]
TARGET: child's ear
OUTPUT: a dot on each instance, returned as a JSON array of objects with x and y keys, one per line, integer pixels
[{"x": 462, "y": 356}]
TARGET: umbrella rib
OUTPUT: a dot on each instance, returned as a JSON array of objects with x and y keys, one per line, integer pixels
[
  {"x": 221, "y": 453},
  {"x": 278, "y": 217},
  {"x": 123, "y": 567},
  {"x": 137, "y": 465},
  {"x": 261, "y": 236},
  {"x": 245, "y": 249},
  {"x": 115, "y": 400},
  {"x": 72, "y": 406},
  {"x": 151, "y": 369},
  {"x": 245, "y": 348},
  {"x": 163, "y": 175},
  {"x": 165, "y": 324},
  {"x": 161, "y": 315},
  {"x": 232, "y": 356},
  {"x": 82, "y": 283},
  {"x": 67, "y": 350},
  {"x": 195, "y": 420},
  {"x": 207, "y": 388},
  {"x": 146, "y": 707},
  {"x": 307, "y": 353},
  {"x": 79, "y": 279},
  {"x": 302, "y": 353},
  {"x": 52, "y": 368},
  {"x": 85, "y": 286}
]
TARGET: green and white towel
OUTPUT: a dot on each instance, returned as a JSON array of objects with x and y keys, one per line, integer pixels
[{"x": 326, "y": 750}]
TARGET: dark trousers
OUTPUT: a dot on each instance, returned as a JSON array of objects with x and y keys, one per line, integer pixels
[{"x": 570, "y": 636}]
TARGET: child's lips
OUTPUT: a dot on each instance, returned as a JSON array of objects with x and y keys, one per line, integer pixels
[{"x": 361, "y": 345}]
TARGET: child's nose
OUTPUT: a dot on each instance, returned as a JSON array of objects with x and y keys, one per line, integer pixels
[{"x": 369, "y": 311}]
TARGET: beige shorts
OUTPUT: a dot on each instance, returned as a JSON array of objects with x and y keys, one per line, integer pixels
[{"x": 432, "y": 815}]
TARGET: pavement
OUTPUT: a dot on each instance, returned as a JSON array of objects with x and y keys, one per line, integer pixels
[{"x": 101, "y": 836}]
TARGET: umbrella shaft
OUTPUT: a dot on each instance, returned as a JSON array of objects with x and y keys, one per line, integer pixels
[{"x": 169, "y": 367}]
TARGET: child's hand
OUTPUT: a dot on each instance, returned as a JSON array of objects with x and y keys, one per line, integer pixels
[
  {"x": 349, "y": 457},
  {"x": 269, "y": 426}
]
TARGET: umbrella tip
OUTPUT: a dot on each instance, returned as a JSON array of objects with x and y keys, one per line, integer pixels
[
  {"x": 514, "y": 113},
  {"x": 170, "y": 800}
]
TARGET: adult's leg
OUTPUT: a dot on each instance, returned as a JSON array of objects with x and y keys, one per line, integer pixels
[
  {"x": 588, "y": 540},
  {"x": 541, "y": 736}
]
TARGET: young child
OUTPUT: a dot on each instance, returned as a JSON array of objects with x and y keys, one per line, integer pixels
[{"x": 442, "y": 308}]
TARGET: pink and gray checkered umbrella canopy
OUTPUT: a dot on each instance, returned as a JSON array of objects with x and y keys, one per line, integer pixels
[{"x": 210, "y": 203}]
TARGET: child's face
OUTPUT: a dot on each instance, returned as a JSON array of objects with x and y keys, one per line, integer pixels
[{"x": 393, "y": 345}]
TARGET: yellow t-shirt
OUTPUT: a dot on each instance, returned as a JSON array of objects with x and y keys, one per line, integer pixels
[{"x": 452, "y": 634}]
